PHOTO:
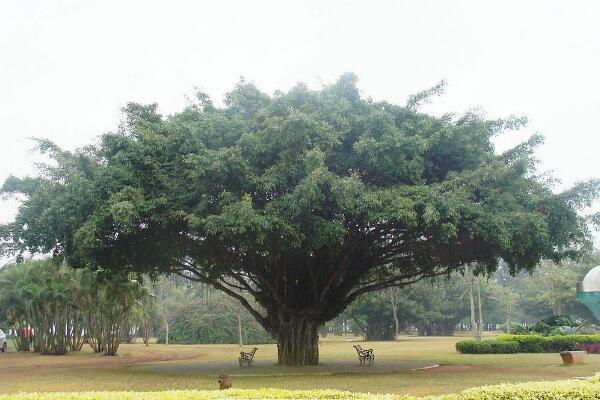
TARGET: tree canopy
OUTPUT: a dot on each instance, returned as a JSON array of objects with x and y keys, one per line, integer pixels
[{"x": 303, "y": 200}]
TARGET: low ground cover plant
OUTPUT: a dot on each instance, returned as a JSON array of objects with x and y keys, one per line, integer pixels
[{"x": 559, "y": 390}]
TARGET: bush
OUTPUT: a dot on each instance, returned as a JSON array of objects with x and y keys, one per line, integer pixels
[
  {"x": 591, "y": 348},
  {"x": 549, "y": 344},
  {"x": 532, "y": 343},
  {"x": 563, "y": 325},
  {"x": 515, "y": 328},
  {"x": 526, "y": 343},
  {"x": 547, "y": 325},
  {"x": 560, "y": 390},
  {"x": 486, "y": 347}
]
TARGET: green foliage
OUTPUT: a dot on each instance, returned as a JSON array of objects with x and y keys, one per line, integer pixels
[
  {"x": 434, "y": 306},
  {"x": 441, "y": 303},
  {"x": 372, "y": 315},
  {"x": 109, "y": 302},
  {"x": 486, "y": 347},
  {"x": 559, "y": 390},
  {"x": 515, "y": 329},
  {"x": 61, "y": 304},
  {"x": 549, "y": 325},
  {"x": 527, "y": 343},
  {"x": 42, "y": 295},
  {"x": 548, "y": 292},
  {"x": 507, "y": 344},
  {"x": 214, "y": 321},
  {"x": 548, "y": 344},
  {"x": 303, "y": 200}
]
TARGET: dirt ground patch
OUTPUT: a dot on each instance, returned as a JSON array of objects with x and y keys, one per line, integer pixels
[
  {"x": 16, "y": 361},
  {"x": 267, "y": 368}
]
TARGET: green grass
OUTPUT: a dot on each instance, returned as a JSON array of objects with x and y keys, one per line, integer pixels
[
  {"x": 573, "y": 389},
  {"x": 162, "y": 367}
]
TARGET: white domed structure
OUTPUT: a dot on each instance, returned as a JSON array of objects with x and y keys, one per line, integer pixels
[
  {"x": 588, "y": 291},
  {"x": 591, "y": 282}
]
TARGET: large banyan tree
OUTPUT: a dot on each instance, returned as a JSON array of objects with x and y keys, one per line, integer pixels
[{"x": 297, "y": 203}]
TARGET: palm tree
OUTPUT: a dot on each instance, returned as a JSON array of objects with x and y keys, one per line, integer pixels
[{"x": 65, "y": 307}]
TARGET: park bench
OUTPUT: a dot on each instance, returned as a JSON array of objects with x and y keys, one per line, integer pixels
[
  {"x": 364, "y": 355},
  {"x": 247, "y": 358}
]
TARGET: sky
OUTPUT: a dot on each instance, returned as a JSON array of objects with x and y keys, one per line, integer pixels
[{"x": 67, "y": 67}]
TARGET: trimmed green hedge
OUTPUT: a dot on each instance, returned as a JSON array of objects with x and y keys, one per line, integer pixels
[
  {"x": 486, "y": 347},
  {"x": 559, "y": 390},
  {"x": 548, "y": 344},
  {"x": 507, "y": 344}
]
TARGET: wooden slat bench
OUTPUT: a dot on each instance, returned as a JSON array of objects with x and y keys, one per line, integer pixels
[
  {"x": 364, "y": 355},
  {"x": 247, "y": 358}
]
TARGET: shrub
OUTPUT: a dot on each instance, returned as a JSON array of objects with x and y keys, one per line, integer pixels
[
  {"x": 515, "y": 328},
  {"x": 591, "y": 348},
  {"x": 559, "y": 390},
  {"x": 549, "y": 344},
  {"x": 563, "y": 325},
  {"x": 486, "y": 347},
  {"x": 532, "y": 343},
  {"x": 588, "y": 329},
  {"x": 547, "y": 325}
]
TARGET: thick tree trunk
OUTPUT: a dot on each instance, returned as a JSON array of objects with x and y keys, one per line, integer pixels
[{"x": 298, "y": 343}]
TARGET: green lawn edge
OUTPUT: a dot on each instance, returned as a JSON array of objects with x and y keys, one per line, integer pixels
[{"x": 573, "y": 389}]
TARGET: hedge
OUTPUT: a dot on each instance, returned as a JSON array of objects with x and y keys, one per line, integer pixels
[
  {"x": 590, "y": 348},
  {"x": 559, "y": 390},
  {"x": 507, "y": 344},
  {"x": 549, "y": 344},
  {"x": 487, "y": 347}
]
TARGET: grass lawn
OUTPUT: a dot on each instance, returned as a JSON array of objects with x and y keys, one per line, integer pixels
[{"x": 396, "y": 369}]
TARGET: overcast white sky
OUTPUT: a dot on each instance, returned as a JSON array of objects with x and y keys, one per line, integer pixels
[{"x": 67, "y": 67}]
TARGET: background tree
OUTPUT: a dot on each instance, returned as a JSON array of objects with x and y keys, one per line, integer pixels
[
  {"x": 303, "y": 200},
  {"x": 13, "y": 304},
  {"x": 441, "y": 304},
  {"x": 395, "y": 296},
  {"x": 203, "y": 321},
  {"x": 63, "y": 307},
  {"x": 470, "y": 279},
  {"x": 372, "y": 314}
]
